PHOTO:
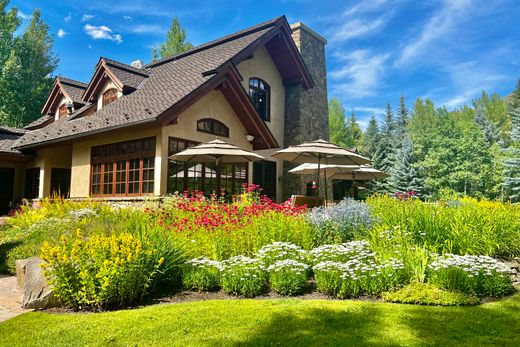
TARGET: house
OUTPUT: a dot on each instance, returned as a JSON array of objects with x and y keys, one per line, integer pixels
[{"x": 262, "y": 88}]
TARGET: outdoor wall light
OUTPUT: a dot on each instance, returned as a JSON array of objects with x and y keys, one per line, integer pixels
[{"x": 250, "y": 138}]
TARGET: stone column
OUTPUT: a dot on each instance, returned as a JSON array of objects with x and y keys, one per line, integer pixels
[{"x": 306, "y": 111}]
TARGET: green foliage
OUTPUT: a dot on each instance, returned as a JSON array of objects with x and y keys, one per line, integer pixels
[
  {"x": 405, "y": 178},
  {"x": 201, "y": 274},
  {"x": 428, "y": 294},
  {"x": 104, "y": 271},
  {"x": 459, "y": 226},
  {"x": 278, "y": 251},
  {"x": 353, "y": 132},
  {"x": 477, "y": 275},
  {"x": 175, "y": 42},
  {"x": 384, "y": 158},
  {"x": 288, "y": 277},
  {"x": 243, "y": 276},
  {"x": 370, "y": 138},
  {"x": 26, "y": 62},
  {"x": 512, "y": 161},
  {"x": 337, "y": 125}
]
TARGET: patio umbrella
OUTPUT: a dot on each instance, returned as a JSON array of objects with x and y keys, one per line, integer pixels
[
  {"x": 216, "y": 151},
  {"x": 361, "y": 174},
  {"x": 318, "y": 152},
  {"x": 196, "y": 172},
  {"x": 347, "y": 172}
]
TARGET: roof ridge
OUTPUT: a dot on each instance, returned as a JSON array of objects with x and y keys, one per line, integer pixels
[
  {"x": 124, "y": 66},
  {"x": 71, "y": 81},
  {"x": 219, "y": 41}
]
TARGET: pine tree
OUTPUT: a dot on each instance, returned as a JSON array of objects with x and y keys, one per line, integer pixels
[
  {"x": 512, "y": 163},
  {"x": 490, "y": 130},
  {"x": 26, "y": 64},
  {"x": 402, "y": 117},
  {"x": 385, "y": 156},
  {"x": 370, "y": 138},
  {"x": 405, "y": 178},
  {"x": 337, "y": 126},
  {"x": 353, "y": 132},
  {"x": 175, "y": 42}
]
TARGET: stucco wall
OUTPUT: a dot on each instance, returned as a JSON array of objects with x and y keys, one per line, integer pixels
[
  {"x": 80, "y": 176},
  {"x": 19, "y": 172},
  {"x": 212, "y": 105},
  {"x": 262, "y": 66}
]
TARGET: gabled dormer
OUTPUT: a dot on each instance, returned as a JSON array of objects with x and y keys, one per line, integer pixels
[
  {"x": 65, "y": 97},
  {"x": 111, "y": 81}
]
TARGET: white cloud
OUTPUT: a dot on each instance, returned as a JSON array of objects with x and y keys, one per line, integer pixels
[
  {"x": 127, "y": 18},
  {"x": 360, "y": 75},
  {"x": 86, "y": 17},
  {"x": 68, "y": 18},
  {"x": 147, "y": 29},
  {"x": 62, "y": 33},
  {"x": 358, "y": 27},
  {"x": 22, "y": 15},
  {"x": 102, "y": 33},
  {"x": 364, "y": 6},
  {"x": 440, "y": 24}
]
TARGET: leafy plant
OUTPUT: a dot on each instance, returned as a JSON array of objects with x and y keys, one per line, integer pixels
[
  {"x": 429, "y": 294},
  {"x": 288, "y": 277},
  {"x": 243, "y": 276},
  {"x": 277, "y": 251},
  {"x": 202, "y": 274}
]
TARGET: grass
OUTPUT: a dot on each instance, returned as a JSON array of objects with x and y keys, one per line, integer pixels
[
  {"x": 290, "y": 322},
  {"x": 428, "y": 294}
]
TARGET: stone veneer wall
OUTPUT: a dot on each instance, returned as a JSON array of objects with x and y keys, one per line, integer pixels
[{"x": 306, "y": 111}]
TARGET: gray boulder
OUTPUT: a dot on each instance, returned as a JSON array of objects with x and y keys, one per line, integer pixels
[
  {"x": 20, "y": 271},
  {"x": 37, "y": 294}
]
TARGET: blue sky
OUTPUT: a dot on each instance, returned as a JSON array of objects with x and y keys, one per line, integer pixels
[{"x": 446, "y": 50}]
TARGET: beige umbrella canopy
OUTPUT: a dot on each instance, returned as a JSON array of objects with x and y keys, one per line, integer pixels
[
  {"x": 216, "y": 151},
  {"x": 346, "y": 172},
  {"x": 320, "y": 152}
]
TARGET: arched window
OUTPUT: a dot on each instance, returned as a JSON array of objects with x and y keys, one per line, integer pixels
[
  {"x": 109, "y": 96},
  {"x": 259, "y": 92},
  {"x": 212, "y": 126},
  {"x": 62, "y": 111}
]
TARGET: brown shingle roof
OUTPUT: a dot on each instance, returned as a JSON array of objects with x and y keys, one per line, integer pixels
[
  {"x": 8, "y": 137},
  {"x": 169, "y": 82},
  {"x": 74, "y": 89},
  {"x": 127, "y": 74}
]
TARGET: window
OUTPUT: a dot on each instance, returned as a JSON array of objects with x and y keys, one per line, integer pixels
[
  {"x": 32, "y": 183},
  {"x": 212, "y": 126},
  {"x": 123, "y": 169},
  {"x": 62, "y": 111},
  {"x": 191, "y": 176},
  {"x": 259, "y": 92},
  {"x": 109, "y": 96}
]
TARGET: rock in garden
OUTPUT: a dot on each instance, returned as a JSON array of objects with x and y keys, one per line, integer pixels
[
  {"x": 20, "y": 271},
  {"x": 36, "y": 294}
]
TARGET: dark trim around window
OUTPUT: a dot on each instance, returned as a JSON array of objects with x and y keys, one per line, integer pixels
[
  {"x": 32, "y": 183},
  {"x": 212, "y": 126},
  {"x": 260, "y": 94}
]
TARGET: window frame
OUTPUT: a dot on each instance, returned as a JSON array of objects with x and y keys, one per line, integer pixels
[
  {"x": 212, "y": 123},
  {"x": 34, "y": 184},
  {"x": 267, "y": 91},
  {"x": 109, "y": 157},
  {"x": 230, "y": 182},
  {"x": 62, "y": 108},
  {"x": 108, "y": 99}
]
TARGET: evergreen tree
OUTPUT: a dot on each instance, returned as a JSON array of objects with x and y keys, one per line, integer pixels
[
  {"x": 402, "y": 118},
  {"x": 491, "y": 132},
  {"x": 405, "y": 178},
  {"x": 512, "y": 163},
  {"x": 385, "y": 156},
  {"x": 176, "y": 42},
  {"x": 370, "y": 138},
  {"x": 353, "y": 132},
  {"x": 337, "y": 126},
  {"x": 26, "y": 64}
]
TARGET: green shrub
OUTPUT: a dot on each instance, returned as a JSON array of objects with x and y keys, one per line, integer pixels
[
  {"x": 428, "y": 294},
  {"x": 480, "y": 275},
  {"x": 106, "y": 271},
  {"x": 277, "y": 251},
  {"x": 288, "y": 277},
  {"x": 201, "y": 274},
  {"x": 243, "y": 276},
  {"x": 341, "y": 252}
]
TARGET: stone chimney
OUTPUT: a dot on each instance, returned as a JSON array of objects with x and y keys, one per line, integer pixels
[{"x": 306, "y": 111}]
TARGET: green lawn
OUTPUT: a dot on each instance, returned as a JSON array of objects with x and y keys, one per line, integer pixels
[{"x": 273, "y": 322}]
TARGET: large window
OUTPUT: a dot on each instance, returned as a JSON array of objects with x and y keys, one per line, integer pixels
[
  {"x": 32, "y": 183},
  {"x": 191, "y": 176},
  {"x": 109, "y": 96},
  {"x": 123, "y": 169},
  {"x": 212, "y": 126},
  {"x": 259, "y": 92}
]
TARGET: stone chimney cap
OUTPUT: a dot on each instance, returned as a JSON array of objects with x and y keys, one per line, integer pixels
[
  {"x": 137, "y": 64},
  {"x": 301, "y": 26}
]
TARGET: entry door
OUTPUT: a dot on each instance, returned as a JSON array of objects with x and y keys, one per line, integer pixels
[
  {"x": 6, "y": 189},
  {"x": 60, "y": 182},
  {"x": 264, "y": 174}
]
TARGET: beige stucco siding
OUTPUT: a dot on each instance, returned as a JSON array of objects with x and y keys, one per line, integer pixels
[
  {"x": 80, "y": 175},
  {"x": 46, "y": 159},
  {"x": 212, "y": 105},
  {"x": 262, "y": 66},
  {"x": 19, "y": 172}
]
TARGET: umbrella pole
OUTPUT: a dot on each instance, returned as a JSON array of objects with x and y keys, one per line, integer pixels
[
  {"x": 318, "y": 176},
  {"x": 218, "y": 177},
  {"x": 325, "y": 173}
]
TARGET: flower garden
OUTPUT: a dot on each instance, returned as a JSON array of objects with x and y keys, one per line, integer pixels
[{"x": 101, "y": 256}]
